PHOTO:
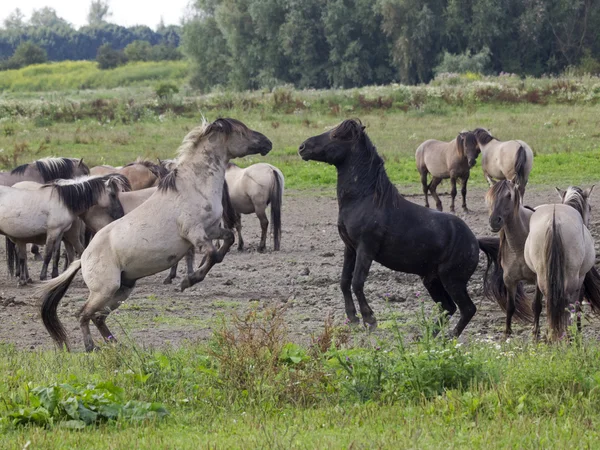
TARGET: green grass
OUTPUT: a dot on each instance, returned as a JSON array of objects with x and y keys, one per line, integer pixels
[
  {"x": 75, "y": 75},
  {"x": 246, "y": 389},
  {"x": 564, "y": 138}
]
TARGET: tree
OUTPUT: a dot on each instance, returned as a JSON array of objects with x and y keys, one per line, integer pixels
[
  {"x": 26, "y": 54},
  {"x": 99, "y": 12},
  {"x": 46, "y": 17},
  {"x": 138, "y": 51},
  {"x": 15, "y": 20},
  {"x": 109, "y": 58}
]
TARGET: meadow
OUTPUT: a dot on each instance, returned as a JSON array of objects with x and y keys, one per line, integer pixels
[{"x": 250, "y": 385}]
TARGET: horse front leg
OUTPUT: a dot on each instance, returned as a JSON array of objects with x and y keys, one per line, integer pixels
[
  {"x": 432, "y": 188},
  {"x": 359, "y": 276},
  {"x": 213, "y": 256},
  {"x": 21, "y": 250},
  {"x": 346, "y": 283},
  {"x": 238, "y": 227},
  {"x": 55, "y": 261},
  {"x": 452, "y": 193},
  {"x": 511, "y": 292},
  {"x": 463, "y": 191}
]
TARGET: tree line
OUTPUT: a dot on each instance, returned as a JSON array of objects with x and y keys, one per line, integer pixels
[
  {"x": 61, "y": 41},
  {"x": 249, "y": 44}
]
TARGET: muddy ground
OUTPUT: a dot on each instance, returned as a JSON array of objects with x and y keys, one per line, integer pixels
[{"x": 303, "y": 276}]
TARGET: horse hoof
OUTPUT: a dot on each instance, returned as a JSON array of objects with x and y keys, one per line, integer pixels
[
  {"x": 261, "y": 249},
  {"x": 185, "y": 283},
  {"x": 168, "y": 280},
  {"x": 370, "y": 324}
]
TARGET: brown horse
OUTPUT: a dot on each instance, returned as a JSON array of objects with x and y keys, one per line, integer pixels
[
  {"x": 444, "y": 160},
  {"x": 141, "y": 173},
  {"x": 504, "y": 283}
]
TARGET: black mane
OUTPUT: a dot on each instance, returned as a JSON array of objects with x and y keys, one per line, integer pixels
[
  {"x": 385, "y": 191},
  {"x": 483, "y": 136},
  {"x": 82, "y": 195},
  {"x": 20, "y": 170},
  {"x": 168, "y": 182}
]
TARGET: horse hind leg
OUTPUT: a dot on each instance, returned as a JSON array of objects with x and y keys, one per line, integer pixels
[
  {"x": 452, "y": 193},
  {"x": 359, "y": 276},
  {"x": 425, "y": 187},
  {"x": 52, "y": 243},
  {"x": 238, "y": 228},
  {"x": 432, "y": 188},
  {"x": 264, "y": 228},
  {"x": 537, "y": 311},
  {"x": 346, "y": 284},
  {"x": 439, "y": 295},
  {"x": 463, "y": 191},
  {"x": 456, "y": 287}
]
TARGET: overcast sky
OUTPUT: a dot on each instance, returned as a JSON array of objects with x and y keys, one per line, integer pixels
[{"x": 124, "y": 12}]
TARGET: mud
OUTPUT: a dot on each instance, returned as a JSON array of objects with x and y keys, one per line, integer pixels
[{"x": 303, "y": 276}]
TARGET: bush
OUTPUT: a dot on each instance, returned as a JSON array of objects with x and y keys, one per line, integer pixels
[
  {"x": 25, "y": 54},
  {"x": 165, "y": 91},
  {"x": 464, "y": 62},
  {"x": 109, "y": 58}
]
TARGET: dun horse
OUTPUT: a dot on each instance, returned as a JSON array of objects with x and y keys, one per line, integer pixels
[
  {"x": 47, "y": 214},
  {"x": 560, "y": 251},
  {"x": 141, "y": 174},
  {"x": 444, "y": 160},
  {"x": 253, "y": 189},
  {"x": 186, "y": 211},
  {"x": 504, "y": 282},
  {"x": 508, "y": 160},
  {"x": 377, "y": 224}
]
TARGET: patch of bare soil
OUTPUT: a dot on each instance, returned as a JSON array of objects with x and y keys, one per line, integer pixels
[{"x": 304, "y": 276}]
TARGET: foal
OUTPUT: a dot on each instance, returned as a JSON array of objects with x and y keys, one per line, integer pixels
[
  {"x": 377, "y": 224},
  {"x": 444, "y": 160}
]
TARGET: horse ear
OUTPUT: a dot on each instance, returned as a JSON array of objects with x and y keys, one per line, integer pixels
[
  {"x": 561, "y": 193},
  {"x": 362, "y": 128},
  {"x": 80, "y": 162},
  {"x": 588, "y": 191}
]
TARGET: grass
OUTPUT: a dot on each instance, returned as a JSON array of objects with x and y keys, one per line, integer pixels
[{"x": 247, "y": 388}]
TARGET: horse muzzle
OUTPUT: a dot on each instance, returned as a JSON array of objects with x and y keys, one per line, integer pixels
[
  {"x": 472, "y": 163},
  {"x": 496, "y": 224}
]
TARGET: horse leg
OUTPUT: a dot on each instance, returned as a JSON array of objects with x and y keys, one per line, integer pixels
[
  {"x": 511, "y": 292},
  {"x": 346, "y": 283},
  {"x": 264, "y": 228},
  {"x": 238, "y": 227},
  {"x": 537, "y": 311},
  {"x": 489, "y": 179},
  {"x": 55, "y": 261},
  {"x": 359, "y": 276},
  {"x": 463, "y": 191},
  {"x": 99, "y": 318},
  {"x": 425, "y": 187},
  {"x": 22, "y": 263},
  {"x": 212, "y": 257},
  {"x": 35, "y": 250},
  {"x": 52, "y": 241},
  {"x": 439, "y": 295},
  {"x": 432, "y": 188},
  {"x": 189, "y": 260},
  {"x": 172, "y": 274},
  {"x": 452, "y": 193},
  {"x": 457, "y": 289}
]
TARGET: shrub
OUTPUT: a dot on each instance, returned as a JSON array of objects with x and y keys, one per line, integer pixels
[
  {"x": 464, "y": 62},
  {"x": 109, "y": 58}
]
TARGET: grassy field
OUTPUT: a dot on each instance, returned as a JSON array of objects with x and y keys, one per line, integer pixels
[{"x": 248, "y": 388}]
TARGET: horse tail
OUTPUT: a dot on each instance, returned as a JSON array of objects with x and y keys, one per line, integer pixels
[
  {"x": 51, "y": 294},
  {"x": 520, "y": 163},
  {"x": 591, "y": 289},
  {"x": 10, "y": 256},
  {"x": 493, "y": 282},
  {"x": 556, "y": 301},
  {"x": 230, "y": 216},
  {"x": 275, "y": 199}
]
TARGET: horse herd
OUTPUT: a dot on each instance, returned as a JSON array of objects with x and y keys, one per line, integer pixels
[{"x": 131, "y": 222}]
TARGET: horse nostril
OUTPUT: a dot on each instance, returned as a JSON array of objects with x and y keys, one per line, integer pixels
[{"x": 302, "y": 147}]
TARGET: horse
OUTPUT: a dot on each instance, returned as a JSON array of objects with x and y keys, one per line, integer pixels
[
  {"x": 506, "y": 269},
  {"x": 376, "y": 223},
  {"x": 253, "y": 189},
  {"x": 504, "y": 160},
  {"x": 47, "y": 214},
  {"x": 141, "y": 173},
  {"x": 560, "y": 251},
  {"x": 42, "y": 171},
  {"x": 444, "y": 160},
  {"x": 184, "y": 212}
]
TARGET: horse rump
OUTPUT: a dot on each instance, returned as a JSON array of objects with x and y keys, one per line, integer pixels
[
  {"x": 275, "y": 199},
  {"x": 493, "y": 282}
]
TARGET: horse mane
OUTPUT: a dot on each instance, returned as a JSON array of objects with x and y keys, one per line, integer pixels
[
  {"x": 574, "y": 197},
  {"x": 385, "y": 191},
  {"x": 159, "y": 171},
  {"x": 168, "y": 182},
  {"x": 227, "y": 126},
  {"x": 483, "y": 136},
  {"x": 55, "y": 168},
  {"x": 20, "y": 170},
  {"x": 460, "y": 144},
  {"x": 82, "y": 193}
]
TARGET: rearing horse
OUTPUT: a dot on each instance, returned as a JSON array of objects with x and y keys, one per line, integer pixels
[
  {"x": 377, "y": 224},
  {"x": 185, "y": 211}
]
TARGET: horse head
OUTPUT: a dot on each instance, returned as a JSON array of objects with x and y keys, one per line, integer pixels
[
  {"x": 468, "y": 147},
  {"x": 483, "y": 136},
  {"x": 503, "y": 200},
  {"x": 335, "y": 145},
  {"x": 579, "y": 199}
]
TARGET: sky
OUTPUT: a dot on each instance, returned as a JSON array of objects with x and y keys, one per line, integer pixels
[{"x": 124, "y": 12}]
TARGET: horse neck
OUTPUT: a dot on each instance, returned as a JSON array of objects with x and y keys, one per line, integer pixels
[
  {"x": 516, "y": 229},
  {"x": 203, "y": 170},
  {"x": 357, "y": 178}
]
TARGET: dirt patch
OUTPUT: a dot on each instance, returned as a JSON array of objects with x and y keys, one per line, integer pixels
[{"x": 304, "y": 276}]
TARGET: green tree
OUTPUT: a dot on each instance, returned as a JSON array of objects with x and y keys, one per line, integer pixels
[
  {"x": 47, "y": 18},
  {"x": 15, "y": 20},
  {"x": 98, "y": 13},
  {"x": 109, "y": 58},
  {"x": 27, "y": 54},
  {"x": 138, "y": 51}
]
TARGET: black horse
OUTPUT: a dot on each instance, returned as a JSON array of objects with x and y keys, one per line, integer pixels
[{"x": 377, "y": 224}]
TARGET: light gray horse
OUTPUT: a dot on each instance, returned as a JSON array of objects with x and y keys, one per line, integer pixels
[
  {"x": 253, "y": 189},
  {"x": 186, "y": 211},
  {"x": 560, "y": 251},
  {"x": 504, "y": 160},
  {"x": 444, "y": 160}
]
